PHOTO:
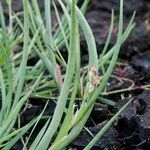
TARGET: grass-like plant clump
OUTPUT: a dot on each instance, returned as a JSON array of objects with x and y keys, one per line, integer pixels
[{"x": 73, "y": 86}]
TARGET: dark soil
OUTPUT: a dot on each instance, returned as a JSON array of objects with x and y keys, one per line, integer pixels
[{"x": 132, "y": 130}]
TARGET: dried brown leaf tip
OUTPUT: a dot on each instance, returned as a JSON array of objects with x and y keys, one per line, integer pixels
[
  {"x": 93, "y": 80},
  {"x": 59, "y": 77}
]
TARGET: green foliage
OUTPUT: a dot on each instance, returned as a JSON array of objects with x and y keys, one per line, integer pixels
[{"x": 66, "y": 81}]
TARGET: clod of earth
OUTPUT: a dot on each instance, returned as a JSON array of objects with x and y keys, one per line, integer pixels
[
  {"x": 134, "y": 125},
  {"x": 142, "y": 63}
]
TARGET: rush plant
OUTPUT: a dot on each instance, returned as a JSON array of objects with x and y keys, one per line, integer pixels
[{"x": 73, "y": 86}]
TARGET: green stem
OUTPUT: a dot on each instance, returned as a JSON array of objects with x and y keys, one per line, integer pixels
[{"x": 59, "y": 110}]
